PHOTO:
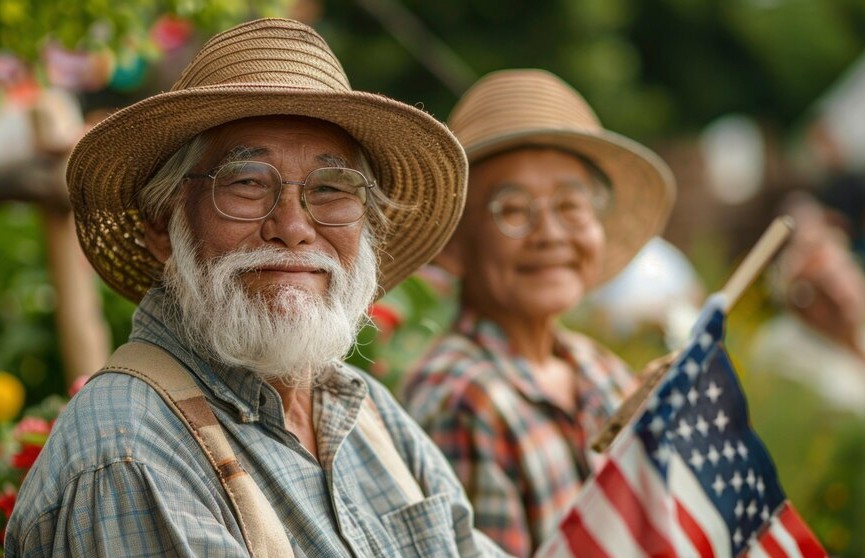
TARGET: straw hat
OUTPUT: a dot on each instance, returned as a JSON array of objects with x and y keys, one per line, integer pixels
[
  {"x": 514, "y": 108},
  {"x": 263, "y": 67}
]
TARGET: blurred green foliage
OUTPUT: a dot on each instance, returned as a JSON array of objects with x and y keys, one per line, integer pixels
[
  {"x": 28, "y": 343},
  {"x": 649, "y": 67},
  {"x": 406, "y": 320},
  {"x": 26, "y": 25}
]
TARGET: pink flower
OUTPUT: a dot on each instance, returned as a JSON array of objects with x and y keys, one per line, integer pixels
[
  {"x": 31, "y": 433},
  {"x": 77, "y": 385},
  {"x": 29, "y": 426}
]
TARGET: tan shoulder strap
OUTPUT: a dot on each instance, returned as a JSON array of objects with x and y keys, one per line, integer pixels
[
  {"x": 370, "y": 424},
  {"x": 262, "y": 531}
]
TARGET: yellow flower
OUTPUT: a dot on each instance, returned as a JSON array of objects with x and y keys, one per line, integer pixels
[{"x": 11, "y": 396}]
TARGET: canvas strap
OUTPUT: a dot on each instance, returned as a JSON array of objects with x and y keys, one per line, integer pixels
[
  {"x": 262, "y": 530},
  {"x": 370, "y": 424}
]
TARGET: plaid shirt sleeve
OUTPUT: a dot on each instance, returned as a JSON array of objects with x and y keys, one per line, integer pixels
[
  {"x": 121, "y": 489},
  {"x": 477, "y": 446},
  {"x": 150, "y": 514}
]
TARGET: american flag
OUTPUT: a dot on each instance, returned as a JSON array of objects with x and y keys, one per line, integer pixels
[{"x": 688, "y": 477}]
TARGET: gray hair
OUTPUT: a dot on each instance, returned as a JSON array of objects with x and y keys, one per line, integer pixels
[{"x": 156, "y": 200}]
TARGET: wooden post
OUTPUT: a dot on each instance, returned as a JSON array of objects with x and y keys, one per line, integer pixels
[
  {"x": 82, "y": 331},
  {"x": 39, "y": 178}
]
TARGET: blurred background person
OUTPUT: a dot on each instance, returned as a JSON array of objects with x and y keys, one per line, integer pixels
[
  {"x": 556, "y": 206},
  {"x": 810, "y": 357}
]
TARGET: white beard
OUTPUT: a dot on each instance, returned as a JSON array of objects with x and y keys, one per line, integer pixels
[{"x": 287, "y": 333}]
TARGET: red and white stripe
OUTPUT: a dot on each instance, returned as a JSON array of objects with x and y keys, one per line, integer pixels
[{"x": 626, "y": 510}]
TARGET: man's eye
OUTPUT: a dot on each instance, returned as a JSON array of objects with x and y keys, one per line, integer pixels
[
  {"x": 251, "y": 182},
  {"x": 515, "y": 210},
  {"x": 245, "y": 187},
  {"x": 324, "y": 189}
]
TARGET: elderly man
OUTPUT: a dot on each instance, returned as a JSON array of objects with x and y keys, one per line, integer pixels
[
  {"x": 247, "y": 210},
  {"x": 556, "y": 205}
]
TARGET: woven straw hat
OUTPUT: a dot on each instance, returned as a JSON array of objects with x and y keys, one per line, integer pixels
[
  {"x": 263, "y": 67},
  {"x": 515, "y": 108}
]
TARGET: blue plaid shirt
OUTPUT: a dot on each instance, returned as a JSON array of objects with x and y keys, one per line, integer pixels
[{"x": 122, "y": 476}]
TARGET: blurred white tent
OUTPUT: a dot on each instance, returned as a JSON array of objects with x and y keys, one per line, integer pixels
[
  {"x": 842, "y": 110},
  {"x": 659, "y": 287}
]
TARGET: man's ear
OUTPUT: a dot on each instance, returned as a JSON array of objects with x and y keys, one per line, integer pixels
[
  {"x": 156, "y": 239},
  {"x": 451, "y": 257}
]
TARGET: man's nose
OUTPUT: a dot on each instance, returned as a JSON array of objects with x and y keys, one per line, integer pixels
[
  {"x": 289, "y": 222},
  {"x": 547, "y": 220}
]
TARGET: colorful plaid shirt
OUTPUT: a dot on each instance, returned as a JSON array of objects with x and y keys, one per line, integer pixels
[
  {"x": 121, "y": 475},
  {"x": 521, "y": 457}
]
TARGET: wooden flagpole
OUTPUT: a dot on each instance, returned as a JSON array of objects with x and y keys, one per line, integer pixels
[
  {"x": 757, "y": 259},
  {"x": 754, "y": 263}
]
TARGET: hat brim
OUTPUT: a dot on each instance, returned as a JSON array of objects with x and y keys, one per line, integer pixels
[
  {"x": 643, "y": 186},
  {"x": 417, "y": 161}
]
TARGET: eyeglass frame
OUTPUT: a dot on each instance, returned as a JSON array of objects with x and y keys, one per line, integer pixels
[
  {"x": 598, "y": 195},
  {"x": 211, "y": 174}
]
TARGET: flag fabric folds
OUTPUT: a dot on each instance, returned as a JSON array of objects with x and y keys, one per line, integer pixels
[{"x": 687, "y": 477}]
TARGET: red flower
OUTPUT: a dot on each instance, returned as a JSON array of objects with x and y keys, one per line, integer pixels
[
  {"x": 386, "y": 318},
  {"x": 25, "y": 458},
  {"x": 170, "y": 32},
  {"x": 7, "y": 501}
]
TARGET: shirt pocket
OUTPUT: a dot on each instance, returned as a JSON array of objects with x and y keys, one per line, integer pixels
[{"x": 423, "y": 529}]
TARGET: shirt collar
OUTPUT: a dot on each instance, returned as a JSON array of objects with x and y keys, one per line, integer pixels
[{"x": 490, "y": 336}]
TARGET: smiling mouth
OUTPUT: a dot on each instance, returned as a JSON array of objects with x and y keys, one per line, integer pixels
[
  {"x": 546, "y": 267},
  {"x": 287, "y": 269}
]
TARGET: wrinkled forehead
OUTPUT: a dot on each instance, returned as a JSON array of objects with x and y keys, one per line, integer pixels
[
  {"x": 532, "y": 168},
  {"x": 256, "y": 137}
]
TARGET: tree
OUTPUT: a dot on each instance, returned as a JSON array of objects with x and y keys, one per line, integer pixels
[{"x": 651, "y": 68}]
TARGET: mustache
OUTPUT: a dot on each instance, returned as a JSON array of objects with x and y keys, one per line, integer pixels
[{"x": 243, "y": 261}]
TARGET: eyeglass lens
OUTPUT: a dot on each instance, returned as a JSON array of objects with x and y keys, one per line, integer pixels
[
  {"x": 249, "y": 190},
  {"x": 516, "y": 212}
]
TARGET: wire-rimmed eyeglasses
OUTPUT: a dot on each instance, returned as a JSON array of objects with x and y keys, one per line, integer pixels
[
  {"x": 250, "y": 190},
  {"x": 517, "y": 212}
]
